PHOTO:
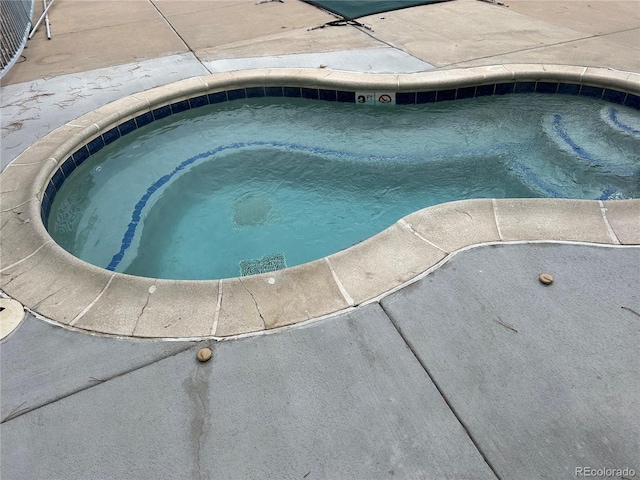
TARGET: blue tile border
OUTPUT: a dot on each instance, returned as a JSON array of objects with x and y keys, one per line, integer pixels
[
  {"x": 255, "y": 92},
  {"x": 161, "y": 112},
  {"x": 113, "y": 134},
  {"x": 95, "y": 145},
  {"x": 461, "y": 93},
  {"x": 217, "y": 97},
  {"x": 445, "y": 95},
  {"x": 127, "y": 127},
  {"x": 236, "y": 94},
  {"x": 632, "y": 101},
  {"x": 181, "y": 106},
  {"x": 328, "y": 95},
  {"x": 593, "y": 92},
  {"x": 504, "y": 88},
  {"x": 292, "y": 92},
  {"x": 525, "y": 87},
  {"x": 82, "y": 153},
  {"x": 613, "y": 96},
  {"x": 50, "y": 191},
  {"x": 310, "y": 93},
  {"x": 425, "y": 97},
  {"x": 57, "y": 180},
  {"x": 68, "y": 166},
  {"x": 568, "y": 89},
  {"x": 273, "y": 91},
  {"x": 402, "y": 98},
  {"x": 144, "y": 119},
  {"x": 200, "y": 101},
  {"x": 485, "y": 90},
  {"x": 547, "y": 87},
  {"x": 345, "y": 97}
]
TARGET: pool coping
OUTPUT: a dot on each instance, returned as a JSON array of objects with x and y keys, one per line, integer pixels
[{"x": 50, "y": 281}]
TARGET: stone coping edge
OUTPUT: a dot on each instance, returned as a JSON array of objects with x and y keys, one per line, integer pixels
[{"x": 51, "y": 282}]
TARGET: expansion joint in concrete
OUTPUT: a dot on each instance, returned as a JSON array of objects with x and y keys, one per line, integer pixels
[
  {"x": 94, "y": 382},
  {"x": 442, "y": 394}
]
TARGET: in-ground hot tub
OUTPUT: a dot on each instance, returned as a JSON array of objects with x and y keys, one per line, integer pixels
[
  {"x": 97, "y": 299},
  {"x": 254, "y": 185}
]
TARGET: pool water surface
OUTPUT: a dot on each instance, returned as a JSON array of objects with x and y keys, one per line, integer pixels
[{"x": 255, "y": 185}]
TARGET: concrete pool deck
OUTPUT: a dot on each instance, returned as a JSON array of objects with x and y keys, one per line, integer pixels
[{"x": 418, "y": 384}]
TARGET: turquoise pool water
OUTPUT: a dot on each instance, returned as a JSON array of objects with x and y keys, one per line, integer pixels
[{"x": 252, "y": 185}]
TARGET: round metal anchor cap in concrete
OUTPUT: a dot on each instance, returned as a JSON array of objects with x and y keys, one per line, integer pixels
[{"x": 11, "y": 314}]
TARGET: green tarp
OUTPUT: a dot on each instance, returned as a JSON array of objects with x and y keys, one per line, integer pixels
[{"x": 351, "y": 9}]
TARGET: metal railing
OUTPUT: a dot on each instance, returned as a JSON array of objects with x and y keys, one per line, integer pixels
[{"x": 15, "y": 23}]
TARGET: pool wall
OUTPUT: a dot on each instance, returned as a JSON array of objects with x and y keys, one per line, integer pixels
[{"x": 52, "y": 282}]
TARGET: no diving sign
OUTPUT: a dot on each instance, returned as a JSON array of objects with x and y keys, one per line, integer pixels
[{"x": 372, "y": 98}]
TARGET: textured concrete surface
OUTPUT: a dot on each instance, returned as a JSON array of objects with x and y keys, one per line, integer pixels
[
  {"x": 91, "y": 35},
  {"x": 585, "y": 16},
  {"x": 343, "y": 398},
  {"x": 545, "y": 378},
  {"x": 101, "y": 34},
  {"x": 475, "y": 369},
  {"x": 32, "y": 109},
  {"x": 42, "y": 363},
  {"x": 371, "y": 60}
]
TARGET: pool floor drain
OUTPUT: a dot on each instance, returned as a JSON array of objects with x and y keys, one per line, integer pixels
[
  {"x": 251, "y": 209},
  {"x": 268, "y": 263}
]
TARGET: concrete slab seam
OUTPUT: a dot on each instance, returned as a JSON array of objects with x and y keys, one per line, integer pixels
[
  {"x": 142, "y": 100},
  {"x": 485, "y": 244},
  {"x": 584, "y": 72},
  {"x": 88, "y": 307},
  {"x": 216, "y": 314},
  {"x": 495, "y": 217},
  {"x": 27, "y": 257},
  {"x": 410, "y": 228},
  {"x": 19, "y": 413},
  {"x": 343, "y": 290},
  {"x": 273, "y": 331},
  {"x": 612, "y": 233},
  {"x": 476, "y": 444}
]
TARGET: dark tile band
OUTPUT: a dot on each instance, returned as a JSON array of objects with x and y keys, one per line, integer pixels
[{"x": 402, "y": 98}]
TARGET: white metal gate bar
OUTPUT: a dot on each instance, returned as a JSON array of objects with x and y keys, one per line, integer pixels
[{"x": 15, "y": 23}]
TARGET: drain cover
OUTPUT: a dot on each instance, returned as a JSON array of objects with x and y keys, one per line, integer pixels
[
  {"x": 251, "y": 209},
  {"x": 267, "y": 263}
]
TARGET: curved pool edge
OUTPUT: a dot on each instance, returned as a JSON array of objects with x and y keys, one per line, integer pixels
[{"x": 53, "y": 283}]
